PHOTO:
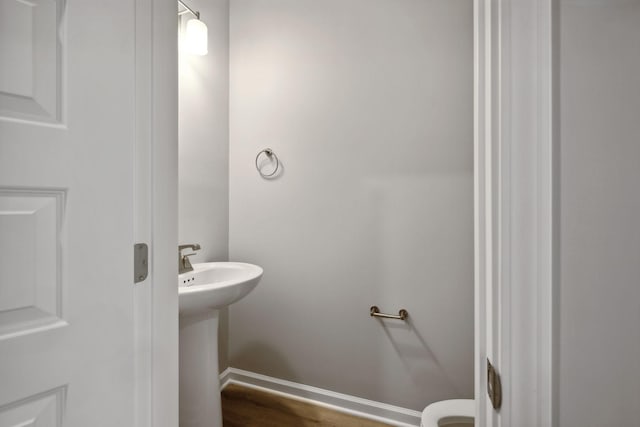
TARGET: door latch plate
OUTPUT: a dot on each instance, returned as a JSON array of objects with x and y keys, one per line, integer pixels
[{"x": 140, "y": 262}]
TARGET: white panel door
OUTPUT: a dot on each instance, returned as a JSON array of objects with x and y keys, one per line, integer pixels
[{"x": 67, "y": 123}]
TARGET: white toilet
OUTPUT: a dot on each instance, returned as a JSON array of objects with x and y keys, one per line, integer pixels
[{"x": 450, "y": 413}]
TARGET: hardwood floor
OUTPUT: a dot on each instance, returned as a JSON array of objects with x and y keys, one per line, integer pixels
[{"x": 248, "y": 407}]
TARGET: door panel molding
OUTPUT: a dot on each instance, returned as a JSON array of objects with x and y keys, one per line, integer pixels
[
  {"x": 43, "y": 409},
  {"x": 31, "y": 282},
  {"x": 31, "y": 78}
]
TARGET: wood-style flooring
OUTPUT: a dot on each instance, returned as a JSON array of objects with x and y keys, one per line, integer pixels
[{"x": 248, "y": 407}]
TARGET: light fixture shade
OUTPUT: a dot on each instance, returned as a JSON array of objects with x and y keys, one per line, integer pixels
[{"x": 195, "y": 37}]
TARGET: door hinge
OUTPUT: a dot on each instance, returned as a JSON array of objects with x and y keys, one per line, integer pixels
[
  {"x": 140, "y": 262},
  {"x": 494, "y": 386}
]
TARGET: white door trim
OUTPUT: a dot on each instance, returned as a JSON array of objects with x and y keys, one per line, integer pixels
[
  {"x": 514, "y": 217},
  {"x": 482, "y": 252},
  {"x": 515, "y": 206},
  {"x": 165, "y": 213},
  {"x": 156, "y": 206}
]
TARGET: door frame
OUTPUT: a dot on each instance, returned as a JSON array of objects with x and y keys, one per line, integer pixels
[
  {"x": 516, "y": 208},
  {"x": 156, "y": 212}
]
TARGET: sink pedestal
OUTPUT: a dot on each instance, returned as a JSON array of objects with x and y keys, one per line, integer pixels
[{"x": 199, "y": 377}]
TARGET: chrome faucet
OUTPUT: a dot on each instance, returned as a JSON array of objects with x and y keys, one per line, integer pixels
[{"x": 184, "y": 265}]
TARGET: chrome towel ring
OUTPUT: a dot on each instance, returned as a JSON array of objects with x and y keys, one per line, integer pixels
[{"x": 271, "y": 156}]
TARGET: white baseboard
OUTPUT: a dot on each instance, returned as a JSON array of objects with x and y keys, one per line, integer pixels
[{"x": 382, "y": 412}]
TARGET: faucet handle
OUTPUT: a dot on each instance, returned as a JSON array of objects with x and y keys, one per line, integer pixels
[{"x": 193, "y": 246}]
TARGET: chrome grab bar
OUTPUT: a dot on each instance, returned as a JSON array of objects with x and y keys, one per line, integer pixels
[{"x": 374, "y": 311}]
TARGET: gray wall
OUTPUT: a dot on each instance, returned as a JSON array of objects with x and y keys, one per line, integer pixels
[
  {"x": 204, "y": 145},
  {"x": 204, "y": 138},
  {"x": 369, "y": 106},
  {"x": 599, "y": 372}
]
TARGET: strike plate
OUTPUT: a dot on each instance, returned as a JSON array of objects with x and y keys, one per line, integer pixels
[
  {"x": 140, "y": 262},
  {"x": 494, "y": 386}
]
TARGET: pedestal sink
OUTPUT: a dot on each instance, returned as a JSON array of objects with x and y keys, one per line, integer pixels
[{"x": 202, "y": 293}]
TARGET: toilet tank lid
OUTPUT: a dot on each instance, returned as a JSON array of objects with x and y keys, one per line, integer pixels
[{"x": 435, "y": 412}]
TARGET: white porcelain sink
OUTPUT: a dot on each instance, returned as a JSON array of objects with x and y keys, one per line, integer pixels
[
  {"x": 202, "y": 293},
  {"x": 214, "y": 285}
]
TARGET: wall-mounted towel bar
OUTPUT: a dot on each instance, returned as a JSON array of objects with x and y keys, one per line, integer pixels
[{"x": 374, "y": 311}]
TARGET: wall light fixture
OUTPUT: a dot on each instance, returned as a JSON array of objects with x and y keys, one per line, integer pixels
[{"x": 195, "y": 37}]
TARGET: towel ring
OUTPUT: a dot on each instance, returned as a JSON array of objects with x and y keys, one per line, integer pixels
[{"x": 271, "y": 155}]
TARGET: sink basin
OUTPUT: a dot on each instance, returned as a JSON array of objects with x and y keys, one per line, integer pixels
[{"x": 214, "y": 285}]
